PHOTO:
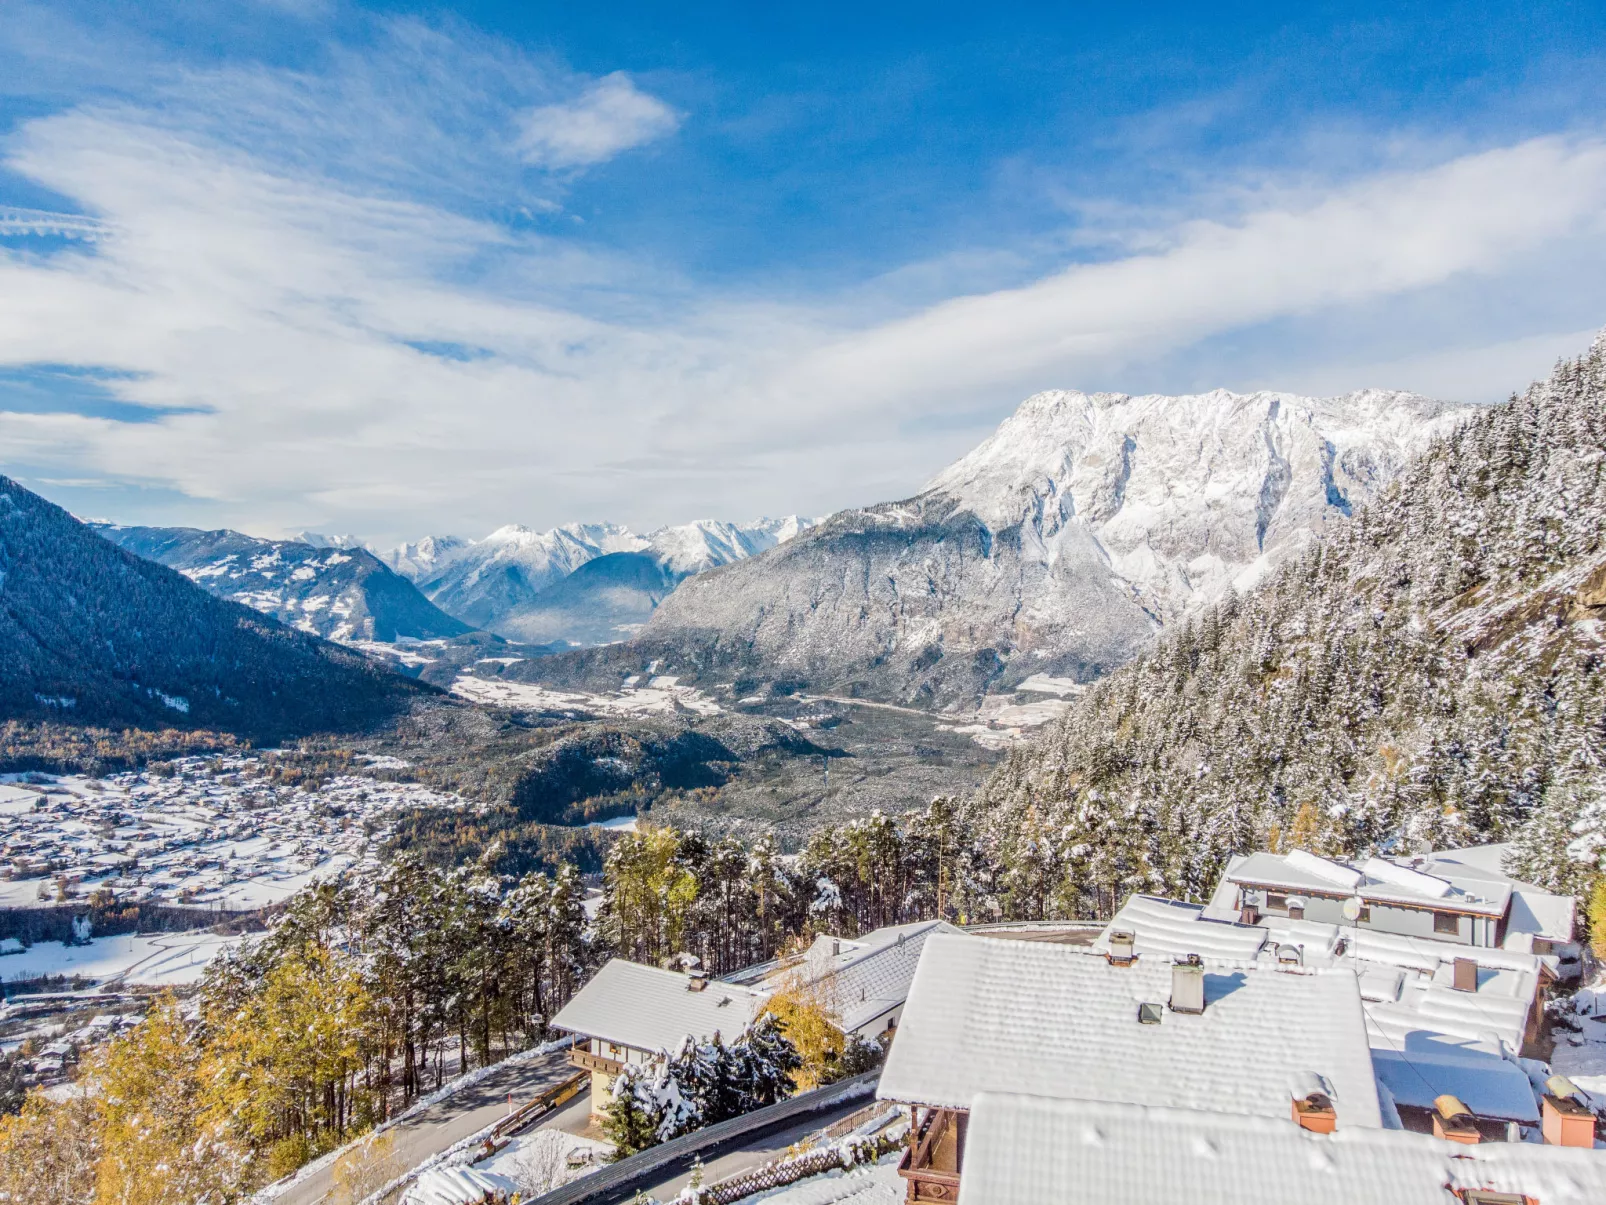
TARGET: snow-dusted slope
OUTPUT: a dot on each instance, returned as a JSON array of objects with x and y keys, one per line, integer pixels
[
  {"x": 1059, "y": 545},
  {"x": 340, "y": 592},
  {"x": 520, "y": 583}
]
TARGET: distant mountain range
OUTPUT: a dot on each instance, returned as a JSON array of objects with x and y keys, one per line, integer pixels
[
  {"x": 339, "y": 591},
  {"x": 1059, "y": 547},
  {"x": 526, "y": 584},
  {"x": 90, "y": 633}
]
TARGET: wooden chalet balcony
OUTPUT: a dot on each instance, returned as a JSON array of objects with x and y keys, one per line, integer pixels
[
  {"x": 586, "y": 1061},
  {"x": 936, "y": 1152}
]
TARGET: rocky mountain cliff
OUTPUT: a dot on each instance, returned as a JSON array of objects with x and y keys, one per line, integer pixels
[
  {"x": 1059, "y": 546},
  {"x": 336, "y": 590},
  {"x": 497, "y": 583},
  {"x": 1430, "y": 674},
  {"x": 90, "y": 633}
]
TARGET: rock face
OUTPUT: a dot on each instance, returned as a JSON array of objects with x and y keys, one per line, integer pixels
[
  {"x": 91, "y": 634},
  {"x": 339, "y": 591},
  {"x": 1059, "y": 546},
  {"x": 528, "y": 585}
]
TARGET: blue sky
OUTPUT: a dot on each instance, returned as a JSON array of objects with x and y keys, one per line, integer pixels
[{"x": 398, "y": 270}]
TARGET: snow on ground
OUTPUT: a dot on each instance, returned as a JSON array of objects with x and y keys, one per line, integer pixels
[
  {"x": 619, "y": 824},
  {"x": 152, "y": 960},
  {"x": 540, "y": 1160},
  {"x": 878, "y": 1184},
  {"x": 1580, "y": 1054},
  {"x": 660, "y": 696}
]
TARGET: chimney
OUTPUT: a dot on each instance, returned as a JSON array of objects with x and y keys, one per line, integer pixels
[
  {"x": 696, "y": 980},
  {"x": 1121, "y": 953},
  {"x": 1466, "y": 975},
  {"x": 836, "y": 947},
  {"x": 1187, "y": 985},
  {"x": 1296, "y": 908},
  {"x": 1249, "y": 914},
  {"x": 1315, "y": 1112},
  {"x": 1454, "y": 1122},
  {"x": 1563, "y": 1120}
]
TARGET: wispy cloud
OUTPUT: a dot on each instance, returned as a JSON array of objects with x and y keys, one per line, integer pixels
[
  {"x": 307, "y": 290},
  {"x": 611, "y": 115}
]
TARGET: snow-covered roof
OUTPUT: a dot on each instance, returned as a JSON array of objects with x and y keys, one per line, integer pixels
[
  {"x": 868, "y": 976},
  {"x": 651, "y": 1009},
  {"x": 1537, "y": 913},
  {"x": 1444, "y": 885},
  {"x": 1489, "y": 1085},
  {"x": 1407, "y": 982},
  {"x": 1002, "y": 1015},
  {"x": 1415, "y": 1017},
  {"x": 458, "y": 1186},
  {"x": 1024, "y": 1150}
]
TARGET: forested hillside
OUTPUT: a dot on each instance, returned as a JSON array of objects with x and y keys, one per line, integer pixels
[
  {"x": 1431, "y": 672},
  {"x": 90, "y": 634}
]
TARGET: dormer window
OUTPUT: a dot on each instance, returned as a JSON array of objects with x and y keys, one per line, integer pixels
[{"x": 1447, "y": 924}]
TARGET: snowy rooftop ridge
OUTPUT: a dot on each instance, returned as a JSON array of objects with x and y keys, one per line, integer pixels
[
  {"x": 1427, "y": 1038},
  {"x": 1436, "y": 880},
  {"x": 998, "y": 1015},
  {"x": 1024, "y": 1150},
  {"x": 652, "y": 1010}
]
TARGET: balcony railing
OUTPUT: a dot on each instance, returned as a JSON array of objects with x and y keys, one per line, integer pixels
[
  {"x": 931, "y": 1165},
  {"x": 586, "y": 1061}
]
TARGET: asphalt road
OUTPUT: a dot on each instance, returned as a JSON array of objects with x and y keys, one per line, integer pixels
[{"x": 463, "y": 1113}]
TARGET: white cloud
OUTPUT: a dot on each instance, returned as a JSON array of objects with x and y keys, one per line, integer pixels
[
  {"x": 342, "y": 375},
  {"x": 611, "y": 115}
]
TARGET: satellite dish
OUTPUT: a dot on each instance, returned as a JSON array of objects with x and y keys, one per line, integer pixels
[{"x": 1352, "y": 908}]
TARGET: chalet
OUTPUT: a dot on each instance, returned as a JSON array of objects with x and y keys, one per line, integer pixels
[
  {"x": 1457, "y": 896},
  {"x": 998, "y": 1016},
  {"x": 629, "y": 1013},
  {"x": 863, "y": 982},
  {"x": 1026, "y": 1150}
]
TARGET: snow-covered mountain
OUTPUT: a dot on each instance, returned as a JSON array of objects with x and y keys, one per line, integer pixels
[
  {"x": 505, "y": 582},
  {"x": 338, "y": 591},
  {"x": 1059, "y": 546}
]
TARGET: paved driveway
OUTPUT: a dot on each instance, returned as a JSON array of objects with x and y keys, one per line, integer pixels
[{"x": 465, "y": 1112}]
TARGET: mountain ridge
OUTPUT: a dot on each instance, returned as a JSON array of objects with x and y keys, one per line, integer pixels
[
  {"x": 92, "y": 634},
  {"x": 1429, "y": 674},
  {"x": 335, "y": 589},
  {"x": 1059, "y": 545}
]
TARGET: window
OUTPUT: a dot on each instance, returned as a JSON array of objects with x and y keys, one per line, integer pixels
[
  {"x": 1364, "y": 917},
  {"x": 1447, "y": 923},
  {"x": 1273, "y": 900}
]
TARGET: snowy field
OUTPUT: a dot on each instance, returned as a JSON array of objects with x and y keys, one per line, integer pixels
[
  {"x": 150, "y": 960},
  {"x": 656, "y": 696},
  {"x": 540, "y": 1160},
  {"x": 216, "y": 833}
]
